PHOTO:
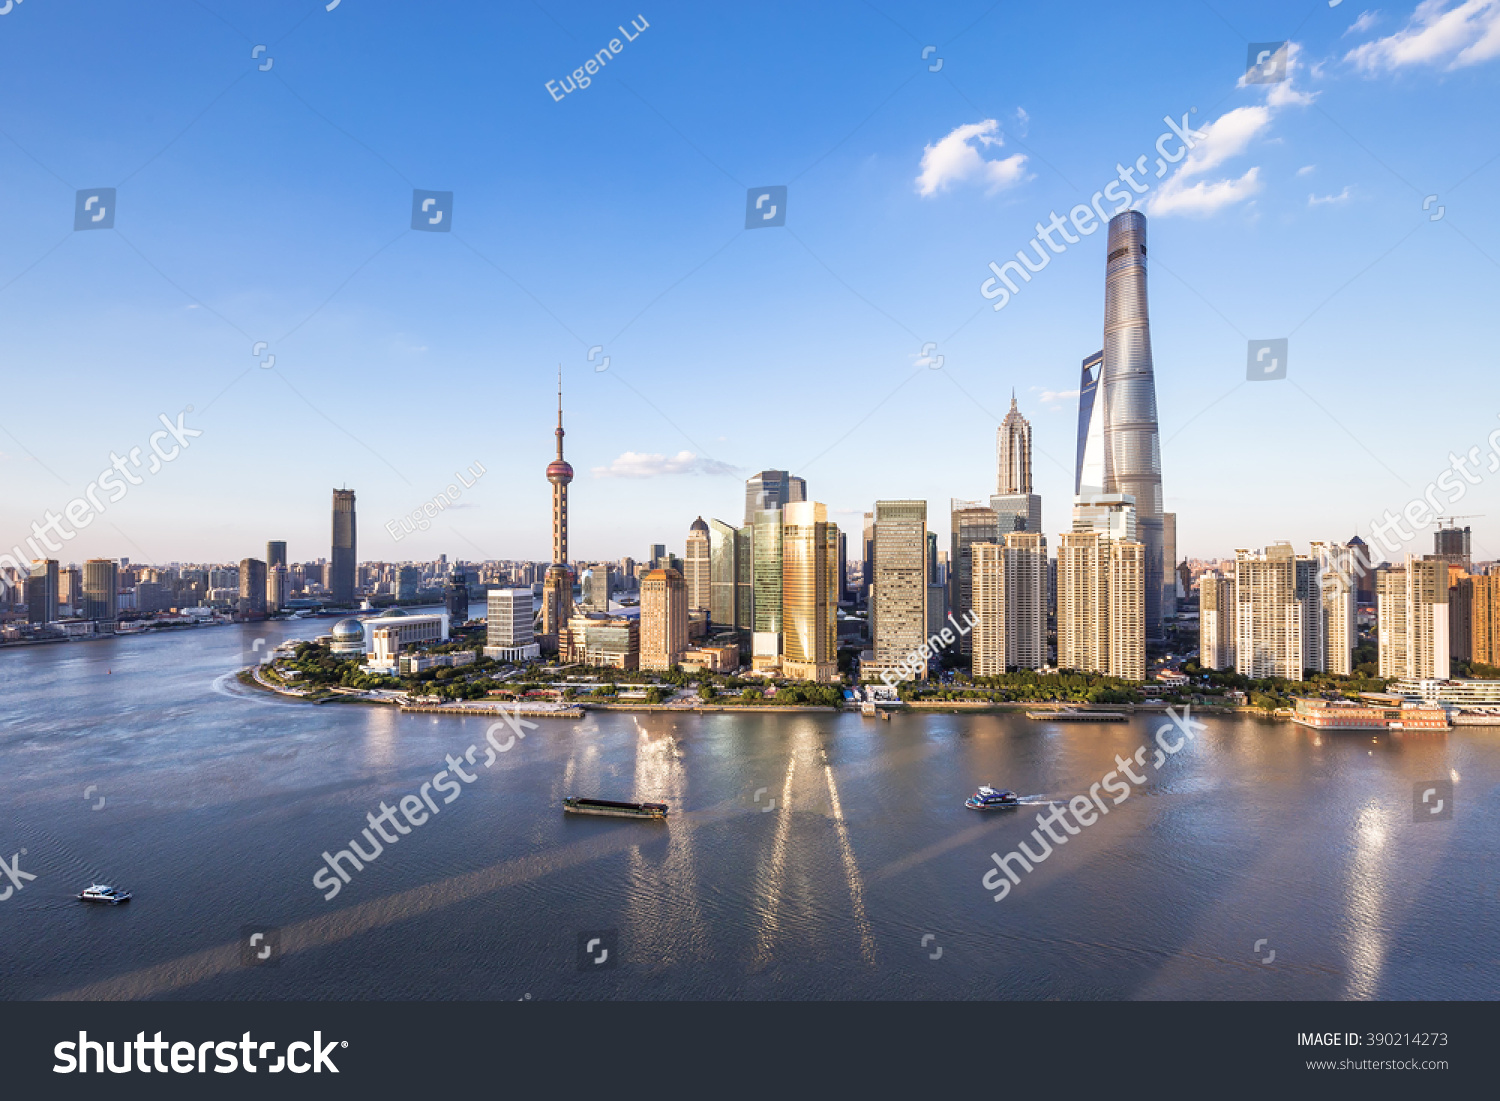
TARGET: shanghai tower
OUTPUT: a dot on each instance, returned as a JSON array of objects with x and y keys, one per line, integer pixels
[{"x": 1127, "y": 387}]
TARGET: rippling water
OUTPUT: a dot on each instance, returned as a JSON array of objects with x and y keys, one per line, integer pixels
[{"x": 218, "y": 802}]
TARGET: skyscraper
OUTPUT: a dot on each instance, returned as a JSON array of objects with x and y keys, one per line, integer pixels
[
  {"x": 1101, "y": 593},
  {"x": 1484, "y": 616},
  {"x": 1412, "y": 620},
  {"x": 767, "y": 579},
  {"x": 1016, "y": 507},
  {"x": 1132, "y": 456},
  {"x": 664, "y": 619},
  {"x": 1089, "y": 476},
  {"x": 1451, "y": 544},
  {"x": 771, "y": 489},
  {"x": 899, "y": 600},
  {"x": 1216, "y": 612},
  {"x": 101, "y": 586},
  {"x": 1272, "y": 614},
  {"x": 1010, "y": 604},
  {"x": 1339, "y": 629},
  {"x": 41, "y": 591},
  {"x": 275, "y": 553},
  {"x": 970, "y": 522},
  {"x": 278, "y": 589},
  {"x": 809, "y": 593},
  {"x": 696, "y": 566},
  {"x": 557, "y": 587},
  {"x": 456, "y": 597},
  {"x": 252, "y": 588},
  {"x": 343, "y": 557}
]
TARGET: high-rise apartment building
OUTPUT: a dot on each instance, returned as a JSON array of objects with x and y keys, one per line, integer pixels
[
  {"x": 766, "y": 571},
  {"x": 407, "y": 580},
  {"x": 971, "y": 522},
  {"x": 41, "y": 592},
  {"x": 697, "y": 567},
  {"x": 1339, "y": 631},
  {"x": 1127, "y": 386},
  {"x": 809, "y": 593},
  {"x": 1460, "y": 614},
  {"x": 1101, "y": 593},
  {"x": 664, "y": 619},
  {"x": 1216, "y": 621},
  {"x": 509, "y": 626},
  {"x": 1016, "y": 507},
  {"x": 344, "y": 554},
  {"x": 899, "y": 600},
  {"x": 1412, "y": 620},
  {"x": 278, "y": 588},
  {"x": 1009, "y": 604},
  {"x": 1484, "y": 616},
  {"x": 772, "y": 489},
  {"x": 1269, "y": 615},
  {"x": 101, "y": 589},
  {"x": 1169, "y": 564}
]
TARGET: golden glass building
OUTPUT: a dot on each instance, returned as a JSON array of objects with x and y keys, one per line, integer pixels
[{"x": 809, "y": 593}]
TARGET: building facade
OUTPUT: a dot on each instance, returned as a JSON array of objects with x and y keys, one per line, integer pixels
[
  {"x": 1412, "y": 620},
  {"x": 509, "y": 627},
  {"x": 1216, "y": 621},
  {"x": 1269, "y": 623},
  {"x": 809, "y": 593},
  {"x": 1101, "y": 592},
  {"x": 1009, "y": 604},
  {"x": 970, "y": 522},
  {"x": 1132, "y": 456},
  {"x": 342, "y": 558},
  {"x": 697, "y": 567},
  {"x": 772, "y": 489},
  {"x": 664, "y": 619}
]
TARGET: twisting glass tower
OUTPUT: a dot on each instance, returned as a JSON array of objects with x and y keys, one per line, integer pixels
[
  {"x": 1132, "y": 453},
  {"x": 557, "y": 588}
]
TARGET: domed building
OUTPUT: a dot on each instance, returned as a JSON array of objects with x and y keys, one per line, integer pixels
[{"x": 348, "y": 637}]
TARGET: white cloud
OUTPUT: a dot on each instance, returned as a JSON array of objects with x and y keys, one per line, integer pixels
[
  {"x": 1057, "y": 397},
  {"x": 957, "y": 159},
  {"x": 1229, "y": 136},
  {"x": 1436, "y": 34},
  {"x": 1307, "y": 170},
  {"x": 1366, "y": 20},
  {"x": 1323, "y": 200},
  {"x": 1023, "y": 121},
  {"x": 636, "y": 464}
]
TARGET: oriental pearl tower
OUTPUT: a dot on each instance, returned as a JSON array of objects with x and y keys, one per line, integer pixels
[{"x": 557, "y": 588}]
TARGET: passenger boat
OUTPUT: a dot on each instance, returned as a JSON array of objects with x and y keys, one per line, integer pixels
[
  {"x": 988, "y": 798},
  {"x": 111, "y": 896},
  {"x": 612, "y": 809}
]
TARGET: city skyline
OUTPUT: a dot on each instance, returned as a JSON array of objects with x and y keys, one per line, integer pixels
[{"x": 1290, "y": 212}]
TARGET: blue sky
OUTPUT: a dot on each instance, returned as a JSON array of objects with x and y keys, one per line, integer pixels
[{"x": 275, "y": 205}]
